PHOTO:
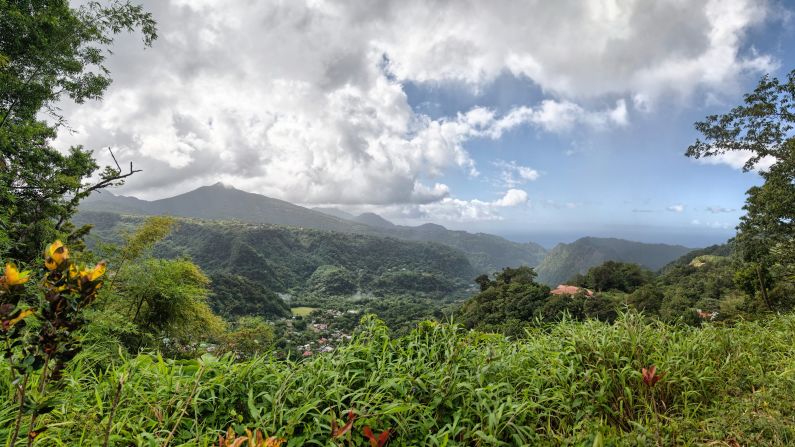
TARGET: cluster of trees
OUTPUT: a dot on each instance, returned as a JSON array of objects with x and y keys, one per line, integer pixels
[
  {"x": 714, "y": 284},
  {"x": 513, "y": 299},
  {"x": 613, "y": 276}
]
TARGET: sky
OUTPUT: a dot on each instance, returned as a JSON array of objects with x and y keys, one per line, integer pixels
[{"x": 535, "y": 120}]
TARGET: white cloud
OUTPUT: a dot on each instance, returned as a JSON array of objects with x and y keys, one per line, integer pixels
[
  {"x": 513, "y": 174},
  {"x": 512, "y": 198},
  {"x": 605, "y": 47},
  {"x": 737, "y": 160},
  {"x": 678, "y": 208},
  {"x": 308, "y": 103},
  {"x": 457, "y": 210},
  {"x": 559, "y": 116}
]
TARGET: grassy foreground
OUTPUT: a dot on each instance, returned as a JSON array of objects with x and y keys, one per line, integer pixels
[{"x": 572, "y": 383}]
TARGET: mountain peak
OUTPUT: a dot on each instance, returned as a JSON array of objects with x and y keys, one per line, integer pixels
[{"x": 220, "y": 185}]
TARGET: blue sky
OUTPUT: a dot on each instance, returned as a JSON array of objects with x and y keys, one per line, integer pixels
[
  {"x": 632, "y": 182},
  {"x": 534, "y": 120}
]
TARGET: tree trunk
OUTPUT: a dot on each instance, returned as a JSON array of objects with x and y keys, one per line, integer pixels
[{"x": 762, "y": 287}]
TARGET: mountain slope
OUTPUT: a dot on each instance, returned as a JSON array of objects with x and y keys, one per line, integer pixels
[
  {"x": 566, "y": 260},
  {"x": 373, "y": 220},
  {"x": 223, "y": 202},
  {"x": 284, "y": 259},
  {"x": 486, "y": 252}
]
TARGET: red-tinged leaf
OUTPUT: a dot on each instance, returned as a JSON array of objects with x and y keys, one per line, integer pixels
[
  {"x": 384, "y": 437},
  {"x": 337, "y": 432},
  {"x": 650, "y": 376},
  {"x": 369, "y": 435},
  {"x": 376, "y": 442}
]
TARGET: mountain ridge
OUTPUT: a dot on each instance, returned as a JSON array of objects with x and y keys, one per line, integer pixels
[
  {"x": 566, "y": 260},
  {"x": 486, "y": 252}
]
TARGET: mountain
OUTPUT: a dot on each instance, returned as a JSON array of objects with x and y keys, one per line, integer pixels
[
  {"x": 698, "y": 256},
  {"x": 291, "y": 259},
  {"x": 219, "y": 201},
  {"x": 336, "y": 212},
  {"x": 566, "y": 260},
  {"x": 486, "y": 252},
  {"x": 374, "y": 220}
]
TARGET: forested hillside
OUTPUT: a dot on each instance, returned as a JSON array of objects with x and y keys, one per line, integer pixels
[
  {"x": 285, "y": 259},
  {"x": 566, "y": 260}
]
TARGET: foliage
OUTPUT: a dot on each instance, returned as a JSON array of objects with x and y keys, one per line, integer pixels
[
  {"x": 167, "y": 300},
  {"x": 67, "y": 289},
  {"x": 647, "y": 299},
  {"x": 568, "y": 384},
  {"x": 614, "y": 276},
  {"x": 284, "y": 259},
  {"x": 567, "y": 260},
  {"x": 332, "y": 280},
  {"x": 249, "y": 337},
  {"x": 236, "y": 296},
  {"x": 762, "y": 128},
  {"x": 512, "y": 295},
  {"x": 50, "y": 50},
  {"x": 398, "y": 282}
]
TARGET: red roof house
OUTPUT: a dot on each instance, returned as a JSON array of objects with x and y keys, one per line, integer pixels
[{"x": 564, "y": 289}]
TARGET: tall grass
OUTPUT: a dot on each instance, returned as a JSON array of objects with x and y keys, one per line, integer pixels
[{"x": 571, "y": 383}]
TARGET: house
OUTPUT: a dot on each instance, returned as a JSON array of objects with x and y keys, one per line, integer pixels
[
  {"x": 710, "y": 316},
  {"x": 564, "y": 289}
]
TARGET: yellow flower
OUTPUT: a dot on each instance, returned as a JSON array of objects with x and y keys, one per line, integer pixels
[
  {"x": 13, "y": 276},
  {"x": 55, "y": 254}
]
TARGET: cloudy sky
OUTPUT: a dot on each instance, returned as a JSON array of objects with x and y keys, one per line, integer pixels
[{"x": 535, "y": 119}]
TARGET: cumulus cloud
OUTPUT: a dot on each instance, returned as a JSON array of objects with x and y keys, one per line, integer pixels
[
  {"x": 678, "y": 208},
  {"x": 304, "y": 101},
  {"x": 457, "y": 210},
  {"x": 605, "y": 47},
  {"x": 512, "y": 198}
]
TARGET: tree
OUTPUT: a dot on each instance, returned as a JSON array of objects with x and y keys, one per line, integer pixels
[
  {"x": 332, "y": 280},
  {"x": 612, "y": 275},
  {"x": 50, "y": 51},
  {"x": 251, "y": 336},
  {"x": 513, "y": 295},
  {"x": 237, "y": 296},
  {"x": 167, "y": 300},
  {"x": 647, "y": 299},
  {"x": 762, "y": 129}
]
